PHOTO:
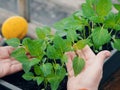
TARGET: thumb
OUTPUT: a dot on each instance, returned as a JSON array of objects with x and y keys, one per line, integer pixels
[{"x": 101, "y": 56}]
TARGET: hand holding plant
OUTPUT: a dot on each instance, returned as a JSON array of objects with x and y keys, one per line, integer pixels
[
  {"x": 91, "y": 75},
  {"x": 8, "y": 65}
]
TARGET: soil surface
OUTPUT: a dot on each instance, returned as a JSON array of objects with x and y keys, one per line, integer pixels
[{"x": 17, "y": 80}]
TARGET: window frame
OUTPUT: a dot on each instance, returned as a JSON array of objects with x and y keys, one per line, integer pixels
[{"x": 24, "y": 9}]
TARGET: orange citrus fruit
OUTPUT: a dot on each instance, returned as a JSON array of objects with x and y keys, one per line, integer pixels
[{"x": 15, "y": 27}]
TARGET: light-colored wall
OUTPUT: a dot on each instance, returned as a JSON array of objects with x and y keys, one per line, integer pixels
[{"x": 70, "y": 3}]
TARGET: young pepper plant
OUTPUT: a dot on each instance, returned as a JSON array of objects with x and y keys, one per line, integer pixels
[
  {"x": 95, "y": 25},
  {"x": 47, "y": 61}
]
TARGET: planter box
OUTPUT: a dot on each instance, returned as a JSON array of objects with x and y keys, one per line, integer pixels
[{"x": 15, "y": 82}]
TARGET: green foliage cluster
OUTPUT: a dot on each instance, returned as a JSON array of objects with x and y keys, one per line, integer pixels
[{"x": 94, "y": 25}]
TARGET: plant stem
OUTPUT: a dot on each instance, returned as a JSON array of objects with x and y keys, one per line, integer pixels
[
  {"x": 111, "y": 31},
  {"x": 80, "y": 38},
  {"x": 115, "y": 33},
  {"x": 102, "y": 26},
  {"x": 45, "y": 84},
  {"x": 84, "y": 36},
  {"x": 89, "y": 29},
  {"x": 92, "y": 25},
  {"x": 54, "y": 61},
  {"x": 76, "y": 53}
]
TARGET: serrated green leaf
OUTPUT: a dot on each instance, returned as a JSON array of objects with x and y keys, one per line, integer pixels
[
  {"x": 37, "y": 70},
  {"x": 61, "y": 73},
  {"x": 26, "y": 67},
  {"x": 90, "y": 2},
  {"x": 60, "y": 25},
  {"x": 100, "y": 36},
  {"x": 47, "y": 30},
  {"x": 88, "y": 11},
  {"x": 69, "y": 23},
  {"x": 43, "y": 32},
  {"x": 74, "y": 24},
  {"x": 118, "y": 18},
  {"x": 15, "y": 42},
  {"x": 34, "y": 61},
  {"x": 25, "y": 43},
  {"x": 72, "y": 35},
  {"x": 117, "y": 6},
  {"x": 61, "y": 33},
  {"x": 78, "y": 13},
  {"x": 97, "y": 19},
  {"x": 64, "y": 59},
  {"x": 103, "y": 7},
  {"x": 46, "y": 68},
  {"x": 81, "y": 44},
  {"x": 39, "y": 80},
  {"x": 55, "y": 79},
  {"x": 59, "y": 44},
  {"x": 110, "y": 21},
  {"x": 78, "y": 65},
  {"x": 20, "y": 55},
  {"x": 40, "y": 33},
  {"x": 68, "y": 45},
  {"x": 56, "y": 66},
  {"x": 28, "y": 76},
  {"x": 35, "y": 47},
  {"x": 116, "y": 44},
  {"x": 52, "y": 53},
  {"x": 117, "y": 27}
]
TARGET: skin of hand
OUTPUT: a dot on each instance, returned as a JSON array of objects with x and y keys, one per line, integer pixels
[
  {"x": 8, "y": 65},
  {"x": 91, "y": 75}
]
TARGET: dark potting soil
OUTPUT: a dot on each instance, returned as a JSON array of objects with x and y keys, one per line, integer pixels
[{"x": 17, "y": 80}]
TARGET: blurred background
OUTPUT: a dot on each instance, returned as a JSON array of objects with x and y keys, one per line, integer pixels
[{"x": 44, "y": 11}]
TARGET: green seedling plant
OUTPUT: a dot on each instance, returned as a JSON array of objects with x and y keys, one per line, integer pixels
[
  {"x": 95, "y": 25},
  {"x": 48, "y": 58}
]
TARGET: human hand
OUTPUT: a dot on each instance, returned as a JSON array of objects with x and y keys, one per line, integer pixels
[
  {"x": 8, "y": 65},
  {"x": 91, "y": 75}
]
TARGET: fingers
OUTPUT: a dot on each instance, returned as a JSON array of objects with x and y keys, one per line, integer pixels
[
  {"x": 5, "y": 52},
  {"x": 86, "y": 53},
  {"x": 10, "y": 61},
  {"x": 81, "y": 54},
  {"x": 15, "y": 68},
  {"x": 99, "y": 61},
  {"x": 14, "y": 62},
  {"x": 8, "y": 66},
  {"x": 70, "y": 56},
  {"x": 101, "y": 56},
  {"x": 9, "y": 49}
]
